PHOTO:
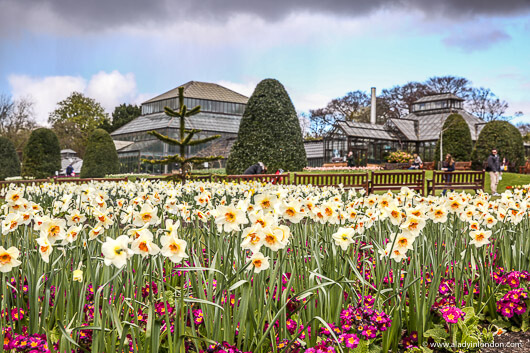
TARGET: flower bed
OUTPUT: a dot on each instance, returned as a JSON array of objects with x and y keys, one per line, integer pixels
[
  {"x": 208, "y": 267},
  {"x": 334, "y": 169}
]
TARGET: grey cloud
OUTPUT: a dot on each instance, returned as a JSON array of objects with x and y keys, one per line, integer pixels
[
  {"x": 93, "y": 15},
  {"x": 474, "y": 40}
]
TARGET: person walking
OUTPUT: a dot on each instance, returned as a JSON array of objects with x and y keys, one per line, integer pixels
[
  {"x": 494, "y": 168},
  {"x": 448, "y": 165},
  {"x": 350, "y": 159}
]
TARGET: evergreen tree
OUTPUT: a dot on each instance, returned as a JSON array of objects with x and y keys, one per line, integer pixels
[
  {"x": 503, "y": 136},
  {"x": 9, "y": 162},
  {"x": 269, "y": 132},
  {"x": 184, "y": 140},
  {"x": 456, "y": 139},
  {"x": 122, "y": 114},
  {"x": 101, "y": 157},
  {"x": 42, "y": 154}
]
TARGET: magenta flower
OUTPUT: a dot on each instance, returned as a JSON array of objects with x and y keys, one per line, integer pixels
[{"x": 350, "y": 340}]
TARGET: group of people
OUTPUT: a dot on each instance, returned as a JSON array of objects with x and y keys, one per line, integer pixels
[{"x": 493, "y": 165}]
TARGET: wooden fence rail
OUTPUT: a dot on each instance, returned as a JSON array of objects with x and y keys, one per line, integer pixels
[{"x": 376, "y": 181}]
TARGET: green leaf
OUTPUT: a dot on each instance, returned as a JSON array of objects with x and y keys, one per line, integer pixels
[
  {"x": 362, "y": 347},
  {"x": 436, "y": 334}
]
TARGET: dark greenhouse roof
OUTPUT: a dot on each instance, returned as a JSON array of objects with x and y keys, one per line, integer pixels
[
  {"x": 219, "y": 147},
  {"x": 406, "y": 127},
  {"x": 438, "y": 97},
  {"x": 203, "y": 121},
  {"x": 430, "y": 125},
  {"x": 203, "y": 90},
  {"x": 366, "y": 130},
  {"x": 314, "y": 149}
]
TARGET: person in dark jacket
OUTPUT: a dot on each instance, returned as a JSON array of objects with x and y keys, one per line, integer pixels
[
  {"x": 350, "y": 159},
  {"x": 448, "y": 165},
  {"x": 69, "y": 170},
  {"x": 258, "y": 168},
  {"x": 494, "y": 168}
]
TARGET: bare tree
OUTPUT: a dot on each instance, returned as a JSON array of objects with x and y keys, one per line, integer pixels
[
  {"x": 484, "y": 104},
  {"x": 459, "y": 86},
  {"x": 399, "y": 99},
  {"x": 350, "y": 107},
  {"x": 16, "y": 119}
]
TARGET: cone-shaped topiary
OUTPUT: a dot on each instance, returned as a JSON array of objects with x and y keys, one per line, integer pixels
[
  {"x": 503, "y": 136},
  {"x": 9, "y": 162},
  {"x": 42, "y": 154},
  {"x": 269, "y": 132},
  {"x": 456, "y": 139},
  {"x": 101, "y": 157}
]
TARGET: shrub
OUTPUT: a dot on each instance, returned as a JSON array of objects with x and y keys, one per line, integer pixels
[
  {"x": 456, "y": 139},
  {"x": 503, "y": 136},
  {"x": 42, "y": 154},
  {"x": 399, "y": 157},
  {"x": 269, "y": 132},
  {"x": 101, "y": 157},
  {"x": 9, "y": 162}
]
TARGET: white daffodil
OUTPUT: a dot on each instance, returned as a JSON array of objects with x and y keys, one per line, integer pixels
[
  {"x": 259, "y": 262},
  {"x": 71, "y": 234},
  {"x": 116, "y": 251},
  {"x": 11, "y": 223},
  {"x": 480, "y": 237},
  {"x": 8, "y": 259},
  {"x": 95, "y": 232},
  {"x": 413, "y": 225},
  {"x": 171, "y": 226},
  {"x": 143, "y": 245},
  {"x": 265, "y": 201},
  {"x": 103, "y": 219},
  {"x": 45, "y": 248},
  {"x": 173, "y": 248},
  {"x": 272, "y": 238},
  {"x": 146, "y": 216},
  {"x": 54, "y": 230},
  {"x": 264, "y": 220},
  {"x": 403, "y": 240},
  {"x": 439, "y": 214},
  {"x": 230, "y": 218},
  {"x": 253, "y": 238},
  {"x": 398, "y": 254},
  {"x": 291, "y": 211},
  {"x": 343, "y": 237}
]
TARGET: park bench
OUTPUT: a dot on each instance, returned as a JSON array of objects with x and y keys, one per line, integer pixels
[
  {"x": 463, "y": 165},
  {"x": 383, "y": 181},
  {"x": 282, "y": 179},
  {"x": 462, "y": 180},
  {"x": 525, "y": 169},
  {"x": 350, "y": 180},
  {"x": 428, "y": 165}
]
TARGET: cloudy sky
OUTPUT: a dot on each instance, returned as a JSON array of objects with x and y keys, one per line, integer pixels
[{"x": 130, "y": 50}]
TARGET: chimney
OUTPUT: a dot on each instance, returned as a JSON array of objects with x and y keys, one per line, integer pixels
[{"x": 372, "y": 108}]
